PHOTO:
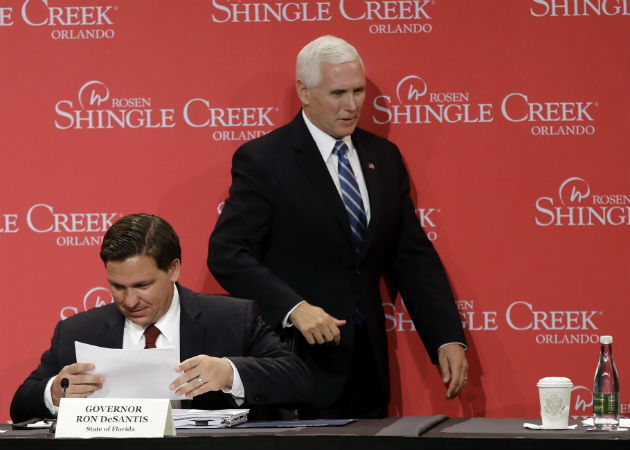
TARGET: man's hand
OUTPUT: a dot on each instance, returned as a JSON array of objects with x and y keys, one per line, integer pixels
[
  {"x": 202, "y": 374},
  {"x": 315, "y": 324},
  {"x": 454, "y": 368},
  {"x": 81, "y": 383}
]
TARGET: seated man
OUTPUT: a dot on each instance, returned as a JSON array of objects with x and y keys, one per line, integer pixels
[{"x": 229, "y": 355}]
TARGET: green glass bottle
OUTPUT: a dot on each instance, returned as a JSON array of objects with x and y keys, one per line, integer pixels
[{"x": 606, "y": 388}]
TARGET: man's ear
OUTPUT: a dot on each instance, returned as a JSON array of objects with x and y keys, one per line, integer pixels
[
  {"x": 174, "y": 269},
  {"x": 302, "y": 92}
]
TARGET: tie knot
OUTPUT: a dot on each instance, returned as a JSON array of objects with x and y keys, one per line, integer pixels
[
  {"x": 151, "y": 334},
  {"x": 340, "y": 148}
]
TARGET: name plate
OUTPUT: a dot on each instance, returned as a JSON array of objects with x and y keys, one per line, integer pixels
[{"x": 114, "y": 418}]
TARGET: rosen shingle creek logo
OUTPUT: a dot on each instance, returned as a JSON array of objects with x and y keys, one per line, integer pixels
[
  {"x": 548, "y": 327},
  {"x": 576, "y": 206},
  {"x": 413, "y": 103},
  {"x": 94, "y": 298},
  {"x": 83, "y": 229},
  {"x": 579, "y": 8},
  {"x": 95, "y": 109},
  {"x": 382, "y": 16},
  {"x": 66, "y": 21}
]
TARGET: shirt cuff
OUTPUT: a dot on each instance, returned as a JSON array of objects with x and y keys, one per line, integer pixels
[
  {"x": 238, "y": 390},
  {"x": 464, "y": 346},
  {"x": 286, "y": 323},
  {"x": 48, "y": 398}
]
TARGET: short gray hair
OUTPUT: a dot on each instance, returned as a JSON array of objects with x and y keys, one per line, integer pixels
[{"x": 324, "y": 49}]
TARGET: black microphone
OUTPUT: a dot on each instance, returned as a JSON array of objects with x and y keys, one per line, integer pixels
[{"x": 64, "y": 384}]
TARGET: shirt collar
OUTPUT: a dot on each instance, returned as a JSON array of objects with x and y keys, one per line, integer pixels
[
  {"x": 324, "y": 141},
  {"x": 168, "y": 324}
]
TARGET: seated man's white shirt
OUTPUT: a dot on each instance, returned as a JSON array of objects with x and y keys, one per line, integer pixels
[{"x": 168, "y": 324}]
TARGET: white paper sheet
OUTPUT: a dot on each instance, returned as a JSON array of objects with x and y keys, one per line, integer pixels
[{"x": 132, "y": 373}]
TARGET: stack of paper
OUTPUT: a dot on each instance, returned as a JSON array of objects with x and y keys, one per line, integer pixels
[{"x": 201, "y": 418}]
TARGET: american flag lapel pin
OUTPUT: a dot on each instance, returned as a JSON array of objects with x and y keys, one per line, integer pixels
[{"x": 371, "y": 166}]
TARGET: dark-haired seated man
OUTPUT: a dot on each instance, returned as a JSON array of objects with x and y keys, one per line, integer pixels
[{"x": 230, "y": 357}]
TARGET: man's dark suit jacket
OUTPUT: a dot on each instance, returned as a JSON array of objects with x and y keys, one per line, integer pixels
[
  {"x": 209, "y": 324},
  {"x": 284, "y": 236}
]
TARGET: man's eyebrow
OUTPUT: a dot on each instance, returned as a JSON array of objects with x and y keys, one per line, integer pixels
[{"x": 136, "y": 284}]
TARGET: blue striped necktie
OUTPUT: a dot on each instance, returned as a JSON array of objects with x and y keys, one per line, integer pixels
[{"x": 351, "y": 196}]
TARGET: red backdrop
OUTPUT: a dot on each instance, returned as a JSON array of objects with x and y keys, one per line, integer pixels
[{"x": 512, "y": 116}]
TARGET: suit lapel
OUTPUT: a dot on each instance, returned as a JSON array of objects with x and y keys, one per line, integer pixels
[
  {"x": 369, "y": 167},
  {"x": 113, "y": 328},
  {"x": 191, "y": 329},
  {"x": 313, "y": 167}
]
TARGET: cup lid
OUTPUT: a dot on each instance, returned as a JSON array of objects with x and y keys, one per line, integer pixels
[{"x": 554, "y": 382}]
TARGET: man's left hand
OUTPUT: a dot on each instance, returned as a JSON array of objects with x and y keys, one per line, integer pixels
[
  {"x": 202, "y": 374},
  {"x": 454, "y": 368}
]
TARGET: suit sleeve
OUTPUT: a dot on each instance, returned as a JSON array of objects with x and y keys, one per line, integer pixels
[
  {"x": 28, "y": 401},
  {"x": 422, "y": 280},
  {"x": 271, "y": 373},
  {"x": 240, "y": 236}
]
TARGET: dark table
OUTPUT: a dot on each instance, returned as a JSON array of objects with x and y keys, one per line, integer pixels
[
  {"x": 509, "y": 434},
  {"x": 399, "y": 433}
]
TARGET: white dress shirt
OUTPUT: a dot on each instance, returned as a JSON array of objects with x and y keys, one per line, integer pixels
[{"x": 325, "y": 144}]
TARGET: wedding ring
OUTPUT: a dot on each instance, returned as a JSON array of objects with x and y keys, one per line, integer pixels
[{"x": 200, "y": 380}]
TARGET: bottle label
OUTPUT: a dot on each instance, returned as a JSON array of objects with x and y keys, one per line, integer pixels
[{"x": 605, "y": 404}]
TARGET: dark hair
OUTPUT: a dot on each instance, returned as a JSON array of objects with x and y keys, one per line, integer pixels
[{"x": 141, "y": 234}]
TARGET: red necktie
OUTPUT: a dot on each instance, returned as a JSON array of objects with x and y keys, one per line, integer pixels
[{"x": 151, "y": 334}]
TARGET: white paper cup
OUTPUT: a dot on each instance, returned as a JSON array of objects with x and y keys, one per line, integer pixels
[{"x": 555, "y": 401}]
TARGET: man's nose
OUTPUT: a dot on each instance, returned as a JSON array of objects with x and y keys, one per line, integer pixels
[
  {"x": 130, "y": 298},
  {"x": 350, "y": 102}
]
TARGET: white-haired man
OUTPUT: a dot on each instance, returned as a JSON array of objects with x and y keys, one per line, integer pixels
[{"x": 319, "y": 210}]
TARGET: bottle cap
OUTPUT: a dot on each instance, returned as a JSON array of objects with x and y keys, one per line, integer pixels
[{"x": 605, "y": 340}]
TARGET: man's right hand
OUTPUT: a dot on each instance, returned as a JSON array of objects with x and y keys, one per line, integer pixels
[
  {"x": 317, "y": 326},
  {"x": 81, "y": 383}
]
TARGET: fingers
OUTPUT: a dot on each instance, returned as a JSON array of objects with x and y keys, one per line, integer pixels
[
  {"x": 338, "y": 323},
  {"x": 83, "y": 390},
  {"x": 455, "y": 387},
  {"x": 322, "y": 331},
  {"x": 202, "y": 374},
  {"x": 454, "y": 368},
  {"x": 77, "y": 368},
  {"x": 81, "y": 383},
  {"x": 316, "y": 325},
  {"x": 190, "y": 386}
]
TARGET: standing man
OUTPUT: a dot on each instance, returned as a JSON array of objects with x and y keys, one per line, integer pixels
[
  {"x": 318, "y": 211},
  {"x": 229, "y": 355}
]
